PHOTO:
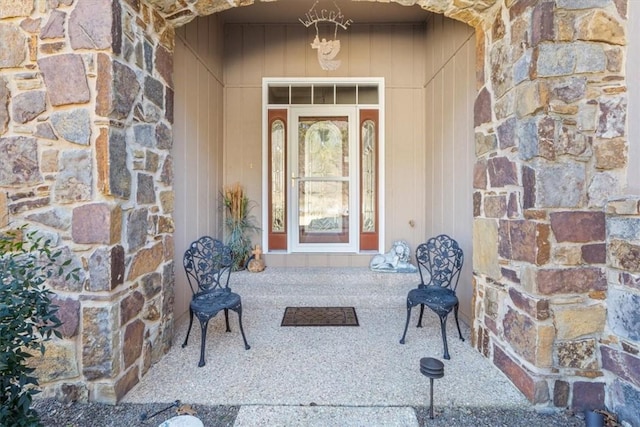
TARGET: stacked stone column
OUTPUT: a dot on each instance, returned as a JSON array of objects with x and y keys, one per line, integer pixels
[
  {"x": 551, "y": 145},
  {"x": 85, "y": 137}
]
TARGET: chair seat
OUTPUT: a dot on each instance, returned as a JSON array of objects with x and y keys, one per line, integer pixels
[
  {"x": 212, "y": 302},
  {"x": 437, "y": 298}
]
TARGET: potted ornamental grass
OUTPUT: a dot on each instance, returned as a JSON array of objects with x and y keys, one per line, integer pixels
[{"x": 239, "y": 224}]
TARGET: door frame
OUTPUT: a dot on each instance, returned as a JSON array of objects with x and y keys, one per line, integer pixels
[{"x": 267, "y": 82}]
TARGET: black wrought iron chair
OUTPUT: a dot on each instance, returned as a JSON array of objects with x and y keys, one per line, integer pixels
[
  {"x": 207, "y": 263},
  {"x": 439, "y": 263}
]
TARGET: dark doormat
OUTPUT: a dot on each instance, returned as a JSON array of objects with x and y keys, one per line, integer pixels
[{"x": 320, "y": 316}]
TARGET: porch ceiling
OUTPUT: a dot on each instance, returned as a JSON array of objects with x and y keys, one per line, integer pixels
[{"x": 289, "y": 11}]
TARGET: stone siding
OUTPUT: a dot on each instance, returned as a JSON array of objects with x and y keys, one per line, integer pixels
[
  {"x": 620, "y": 345},
  {"x": 85, "y": 142},
  {"x": 551, "y": 122}
]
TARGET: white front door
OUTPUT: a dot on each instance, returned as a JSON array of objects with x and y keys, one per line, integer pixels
[{"x": 323, "y": 185}]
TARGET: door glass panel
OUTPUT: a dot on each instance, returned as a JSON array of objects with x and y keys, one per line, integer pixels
[
  {"x": 278, "y": 177},
  {"x": 324, "y": 212},
  {"x": 323, "y": 181},
  {"x": 368, "y": 176}
]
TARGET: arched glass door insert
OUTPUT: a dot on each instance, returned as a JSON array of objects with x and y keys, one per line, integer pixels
[{"x": 323, "y": 179}]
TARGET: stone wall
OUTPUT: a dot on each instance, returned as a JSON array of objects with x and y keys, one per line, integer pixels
[
  {"x": 85, "y": 139},
  {"x": 85, "y": 127},
  {"x": 552, "y": 148},
  {"x": 620, "y": 346}
]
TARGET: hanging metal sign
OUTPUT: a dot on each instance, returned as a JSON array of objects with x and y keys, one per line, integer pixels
[{"x": 327, "y": 48}]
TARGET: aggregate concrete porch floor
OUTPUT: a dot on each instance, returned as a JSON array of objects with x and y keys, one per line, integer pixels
[{"x": 290, "y": 370}]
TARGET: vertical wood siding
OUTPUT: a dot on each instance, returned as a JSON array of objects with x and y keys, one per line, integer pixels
[
  {"x": 197, "y": 145},
  {"x": 449, "y": 150}
]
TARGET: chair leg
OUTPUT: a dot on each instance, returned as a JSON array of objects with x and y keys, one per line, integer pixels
[
  {"x": 184, "y": 344},
  {"x": 420, "y": 318},
  {"x": 443, "y": 327},
  {"x": 226, "y": 318},
  {"x": 239, "y": 311},
  {"x": 455, "y": 313},
  {"x": 203, "y": 326},
  {"x": 406, "y": 325}
]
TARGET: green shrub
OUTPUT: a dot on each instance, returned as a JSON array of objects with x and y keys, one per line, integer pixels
[{"x": 27, "y": 318}]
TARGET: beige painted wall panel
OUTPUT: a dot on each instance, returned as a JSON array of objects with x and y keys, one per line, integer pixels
[
  {"x": 181, "y": 33},
  {"x": 450, "y": 33},
  {"x": 251, "y": 163},
  {"x": 213, "y": 102},
  {"x": 191, "y": 36},
  {"x": 221, "y": 96},
  {"x": 420, "y": 174},
  {"x": 216, "y": 46},
  {"x": 448, "y": 164},
  {"x": 234, "y": 133},
  {"x": 200, "y": 159},
  {"x": 317, "y": 260},
  {"x": 434, "y": 45},
  {"x": 203, "y": 37},
  {"x": 197, "y": 148},
  {"x": 429, "y": 51},
  {"x": 233, "y": 55},
  {"x": 465, "y": 95},
  {"x": 402, "y": 58},
  {"x": 434, "y": 163},
  {"x": 253, "y": 48},
  {"x": 449, "y": 119},
  {"x": 202, "y": 43},
  {"x": 404, "y": 193},
  {"x": 445, "y": 37},
  {"x": 380, "y": 52},
  {"x": 429, "y": 138},
  {"x": 359, "y": 57},
  {"x": 190, "y": 142},
  {"x": 338, "y": 260},
  {"x": 296, "y": 50},
  {"x": 274, "y": 51},
  {"x": 419, "y": 56},
  {"x": 322, "y": 260},
  {"x": 243, "y": 146}
]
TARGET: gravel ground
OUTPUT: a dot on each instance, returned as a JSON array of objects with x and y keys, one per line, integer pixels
[{"x": 56, "y": 414}]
